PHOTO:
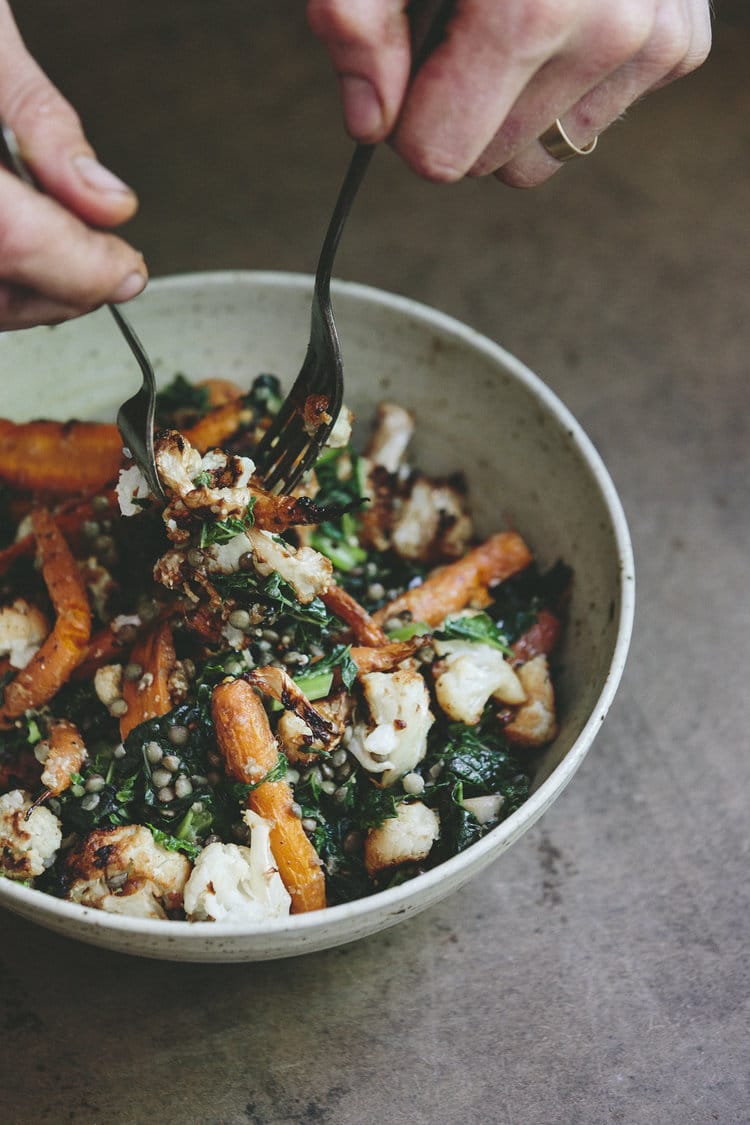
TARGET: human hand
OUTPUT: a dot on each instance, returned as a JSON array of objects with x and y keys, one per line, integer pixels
[
  {"x": 53, "y": 265},
  {"x": 502, "y": 75}
]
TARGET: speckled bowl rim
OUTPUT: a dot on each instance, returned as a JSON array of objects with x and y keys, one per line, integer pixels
[{"x": 30, "y": 902}]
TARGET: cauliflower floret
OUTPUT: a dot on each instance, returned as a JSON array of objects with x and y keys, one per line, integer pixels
[
  {"x": 406, "y": 837},
  {"x": 393, "y": 737},
  {"x": 342, "y": 429},
  {"x": 486, "y": 808},
  {"x": 178, "y": 463},
  {"x": 108, "y": 683},
  {"x": 432, "y": 522},
  {"x": 228, "y": 476},
  {"x": 307, "y": 571},
  {"x": 23, "y": 627},
  {"x": 131, "y": 486},
  {"x": 468, "y": 674},
  {"x": 124, "y": 871},
  {"x": 225, "y": 557},
  {"x": 230, "y": 883},
  {"x": 534, "y": 723},
  {"x": 27, "y": 846},
  {"x": 394, "y": 427}
]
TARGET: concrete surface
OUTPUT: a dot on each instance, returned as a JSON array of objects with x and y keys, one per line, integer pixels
[{"x": 599, "y": 972}]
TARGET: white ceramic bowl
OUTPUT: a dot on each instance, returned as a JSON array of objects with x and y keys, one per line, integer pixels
[{"x": 528, "y": 463}]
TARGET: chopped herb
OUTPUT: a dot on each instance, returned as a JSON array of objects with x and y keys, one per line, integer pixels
[
  {"x": 174, "y": 843},
  {"x": 224, "y": 530}
]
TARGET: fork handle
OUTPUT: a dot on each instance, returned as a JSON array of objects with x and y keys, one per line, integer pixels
[{"x": 428, "y": 20}]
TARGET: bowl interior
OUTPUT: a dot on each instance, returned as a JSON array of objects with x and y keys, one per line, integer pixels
[{"x": 478, "y": 409}]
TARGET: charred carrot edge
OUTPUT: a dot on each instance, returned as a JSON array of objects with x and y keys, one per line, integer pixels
[
  {"x": 366, "y": 629},
  {"x": 220, "y": 423},
  {"x": 59, "y": 457},
  {"x": 250, "y": 752},
  {"x": 542, "y": 637},
  {"x": 388, "y": 656},
  {"x": 105, "y": 646},
  {"x": 280, "y": 686},
  {"x": 451, "y": 588},
  {"x": 65, "y": 647},
  {"x": 66, "y": 755},
  {"x": 279, "y": 513},
  {"x": 149, "y": 695}
]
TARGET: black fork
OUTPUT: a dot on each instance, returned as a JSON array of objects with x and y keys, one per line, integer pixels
[{"x": 292, "y": 444}]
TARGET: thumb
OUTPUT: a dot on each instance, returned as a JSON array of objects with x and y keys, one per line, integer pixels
[
  {"x": 369, "y": 44},
  {"x": 51, "y": 139}
]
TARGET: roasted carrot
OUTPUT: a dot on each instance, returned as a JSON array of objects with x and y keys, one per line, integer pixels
[
  {"x": 250, "y": 752},
  {"x": 66, "y": 645},
  {"x": 296, "y": 738},
  {"x": 541, "y": 637},
  {"x": 70, "y": 517},
  {"x": 365, "y": 628},
  {"x": 220, "y": 391},
  {"x": 280, "y": 686},
  {"x": 59, "y": 457},
  {"x": 452, "y": 588},
  {"x": 149, "y": 695},
  {"x": 386, "y": 657},
  {"x": 220, "y": 423},
  {"x": 65, "y": 754}
]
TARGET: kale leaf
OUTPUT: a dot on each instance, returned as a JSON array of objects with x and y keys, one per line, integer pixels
[
  {"x": 470, "y": 762},
  {"x": 478, "y": 627},
  {"x": 221, "y": 531},
  {"x": 181, "y": 402},
  {"x": 517, "y": 601}
]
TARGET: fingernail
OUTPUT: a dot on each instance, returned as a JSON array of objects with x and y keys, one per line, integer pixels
[
  {"x": 130, "y": 287},
  {"x": 362, "y": 110},
  {"x": 98, "y": 177}
]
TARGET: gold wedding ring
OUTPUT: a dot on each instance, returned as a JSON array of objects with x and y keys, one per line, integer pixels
[{"x": 559, "y": 145}]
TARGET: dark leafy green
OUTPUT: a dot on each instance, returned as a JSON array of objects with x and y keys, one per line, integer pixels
[
  {"x": 473, "y": 761},
  {"x": 180, "y": 401},
  {"x": 517, "y": 601},
  {"x": 130, "y": 795},
  {"x": 265, "y": 395},
  {"x": 221, "y": 531},
  {"x": 478, "y": 627}
]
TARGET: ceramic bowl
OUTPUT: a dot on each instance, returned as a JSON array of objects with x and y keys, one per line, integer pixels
[{"x": 528, "y": 463}]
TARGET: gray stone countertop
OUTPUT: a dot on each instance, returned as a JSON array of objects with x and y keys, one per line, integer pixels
[{"x": 599, "y": 971}]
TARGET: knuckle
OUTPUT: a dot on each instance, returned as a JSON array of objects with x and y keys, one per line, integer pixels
[
  {"x": 541, "y": 27},
  {"x": 36, "y": 105},
  {"x": 692, "y": 50},
  {"x": 678, "y": 43},
  {"x": 44, "y": 247},
  {"x": 670, "y": 41},
  {"x": 626, "y": 28}
]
